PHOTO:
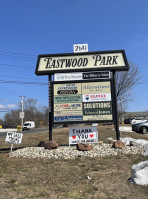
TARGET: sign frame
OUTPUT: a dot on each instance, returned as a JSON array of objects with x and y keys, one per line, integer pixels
[
  {"x": 86, "y": 121},
  {"x": 73, "y": 69}
]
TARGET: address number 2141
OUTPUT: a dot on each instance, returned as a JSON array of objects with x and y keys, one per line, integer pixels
[{"x": 80, "y": 48}]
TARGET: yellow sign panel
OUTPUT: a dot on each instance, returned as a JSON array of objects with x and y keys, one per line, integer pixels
[
  {"x": 96, "y": 87},
  {"x": 0, "y": 126},
  {"x": 19, "y": 128}
]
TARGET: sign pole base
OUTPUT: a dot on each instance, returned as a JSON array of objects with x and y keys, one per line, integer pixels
[{"x": 11, "y": 147}]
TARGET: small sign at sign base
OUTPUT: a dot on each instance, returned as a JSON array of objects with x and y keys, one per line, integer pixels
[
  {"x": 83, "y": 135},
  {"x": 14, "y": 138}
]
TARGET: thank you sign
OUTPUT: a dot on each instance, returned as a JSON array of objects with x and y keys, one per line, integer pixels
[{"x": 83, "y": 135}]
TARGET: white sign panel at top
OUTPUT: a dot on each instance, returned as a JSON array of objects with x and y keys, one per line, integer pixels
[
  {"x": 79, "y": 48},
  {"x": 67, "y": 76},
  {"x": 81, "y": 62}
]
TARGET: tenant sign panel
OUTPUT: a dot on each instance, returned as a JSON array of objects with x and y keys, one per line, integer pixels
[
  {"x": 82, "y": 101},
  {"x": 76, "y": 62}
]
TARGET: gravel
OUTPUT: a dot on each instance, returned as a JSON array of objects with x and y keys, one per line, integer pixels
[{"x": 70, "y": 152}]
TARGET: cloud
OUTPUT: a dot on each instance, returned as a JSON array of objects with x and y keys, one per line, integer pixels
[
  {"x": 9, "y": 106},
  {"x": 2, "y": 106}
]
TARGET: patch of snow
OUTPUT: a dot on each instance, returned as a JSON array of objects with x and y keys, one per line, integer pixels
[
  {"x": 127, "y": 140},
  {"x": 141, "y": 141},
  {"x": 7, "y": 130},
  {"x": 125, "y": 128},
  {"x": 140, "y": 165},
  {"x": 145, "y": 150},
  {"x": 140, "y": 173}
]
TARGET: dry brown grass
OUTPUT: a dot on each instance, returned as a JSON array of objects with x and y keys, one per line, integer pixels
[{"x": 59, "y": 179}]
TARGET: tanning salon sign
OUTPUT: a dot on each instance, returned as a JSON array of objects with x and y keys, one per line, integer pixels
[{"x": 71, "y": 62}]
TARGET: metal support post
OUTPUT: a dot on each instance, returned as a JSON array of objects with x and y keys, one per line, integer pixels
[
  {"x": 116, "y": 108},
  {"x": 50, "y": 113}
]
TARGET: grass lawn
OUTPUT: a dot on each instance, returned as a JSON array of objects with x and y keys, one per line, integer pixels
[{"x": 22, "y": 178}]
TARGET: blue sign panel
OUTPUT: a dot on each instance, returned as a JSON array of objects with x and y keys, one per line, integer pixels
[{"x": 67, "y": 118}]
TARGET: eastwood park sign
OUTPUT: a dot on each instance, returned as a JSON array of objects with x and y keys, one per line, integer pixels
[
  {"x": 71, "y": 62},
  {"x": 82, "y": 90}
]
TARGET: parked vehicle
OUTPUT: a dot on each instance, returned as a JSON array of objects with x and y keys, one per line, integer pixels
[
  {"x": 135, "y": 121},
  {"x": 29, "y": 125},
  {"x": 128, "y": 120},
  {"x": 141, "y": 127}
]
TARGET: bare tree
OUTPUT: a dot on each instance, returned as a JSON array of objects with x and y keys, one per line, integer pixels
[
  {"x": 125, "y": 81},
  {"x": 32, "y": 112},
  {"x": 12, "y": 118},
  {"x": 30, "y": 109}
]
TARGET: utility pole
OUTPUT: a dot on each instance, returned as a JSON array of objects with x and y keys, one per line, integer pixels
[{"x": 22, "y": 113}]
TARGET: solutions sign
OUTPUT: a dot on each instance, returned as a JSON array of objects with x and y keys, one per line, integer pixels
[{"x": 71, "y": 62}]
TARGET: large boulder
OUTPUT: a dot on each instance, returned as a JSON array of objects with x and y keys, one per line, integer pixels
[
  {"x": 84, "y": 147},
  {"x": 118, "y": 144},
  {"x": 51, "y": 145},
  {"x": 41, "y": 144}
]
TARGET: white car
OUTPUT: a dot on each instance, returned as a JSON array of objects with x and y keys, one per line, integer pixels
[{"x": 135, "y": 121}]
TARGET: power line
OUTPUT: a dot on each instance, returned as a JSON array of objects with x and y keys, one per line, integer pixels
[
  {"x": 4, "y": 110},
  {"x": 16, "y": 53},
  {"x": 16, "y": 77},
  {"x": 21, "y": 82},
  {"x": 15, "y": 58},
  {"x": 28, "y": 67}
]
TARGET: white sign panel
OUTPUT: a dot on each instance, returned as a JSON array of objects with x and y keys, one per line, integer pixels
[
  {"x": 83, "y": 135},
  {"x": 67, "y": 76},
  {"x": 81, "y": 76},
  {"x": 97, "y": 97},
  {"x": 14, "y": 138},
  {"x": 81, "y": 62},
  {"x": 21, "y": 115},
  {"x": 77, "y": 48}
]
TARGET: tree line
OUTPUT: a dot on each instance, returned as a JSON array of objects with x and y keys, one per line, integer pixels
[{"x": 32, "y": 113}]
